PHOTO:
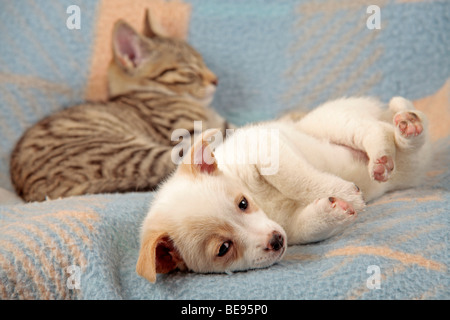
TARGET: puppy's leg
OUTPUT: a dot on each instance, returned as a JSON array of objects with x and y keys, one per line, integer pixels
[
  {"x": 412, "y": 141},
  {"x": 297, "y": 179},
  {"x": 410, "y": 124},
  {"x": 355, "y": 122},
  {"x": 320, "y": 220}
]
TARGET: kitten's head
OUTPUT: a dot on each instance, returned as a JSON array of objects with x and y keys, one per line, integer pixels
[{"x": 154, "y": 62}]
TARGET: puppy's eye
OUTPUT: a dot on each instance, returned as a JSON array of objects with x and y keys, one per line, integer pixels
[
  {"x": 243, "y": 204},
  {"x": 224, "y": 248}
]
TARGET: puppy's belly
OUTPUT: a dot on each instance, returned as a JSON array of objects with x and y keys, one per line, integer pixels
[
  {"x": 358, "y": 155},
  {"x": 343, "y": 161},
  {"x": 325, "y": 155}
]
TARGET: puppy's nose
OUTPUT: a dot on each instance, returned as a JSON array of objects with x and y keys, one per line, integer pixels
[
  {"x": 215, "y": 81},
  {"x": 276, "y": 242}
]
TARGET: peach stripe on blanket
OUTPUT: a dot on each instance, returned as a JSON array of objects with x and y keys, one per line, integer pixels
[{"x": 437, "y": 109}]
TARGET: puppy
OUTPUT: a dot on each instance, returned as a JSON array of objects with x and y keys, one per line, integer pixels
[{"x": 223, "y": 210}]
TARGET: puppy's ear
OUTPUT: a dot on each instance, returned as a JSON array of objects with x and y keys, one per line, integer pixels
[
  {"x": 157, "y": 255},
  {"x": 200, "y": 158}
]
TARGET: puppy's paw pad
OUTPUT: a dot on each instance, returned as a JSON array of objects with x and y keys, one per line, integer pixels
[
  {"x": 382, "y": 168},
  {"x": 408, "y": 123},
  {"x": 351, "y": 193},
  {"x": 341, "y": 205}
]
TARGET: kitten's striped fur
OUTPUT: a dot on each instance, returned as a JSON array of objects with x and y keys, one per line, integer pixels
[{"x": 157, "y": 84}]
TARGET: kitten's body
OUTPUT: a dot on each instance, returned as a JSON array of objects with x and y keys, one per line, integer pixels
[{"x": 156, "y": 85}]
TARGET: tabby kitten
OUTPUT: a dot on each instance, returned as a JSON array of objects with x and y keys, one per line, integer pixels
[{"x": 156, "y": 85}]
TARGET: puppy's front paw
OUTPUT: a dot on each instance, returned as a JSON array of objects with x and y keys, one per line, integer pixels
[
  {"x": 381, "y": 168},
  {"x": 343, "y": 206},
  {"x": 334, "y": 215},
  {"x": 324, "y": 218},
  {"x": 336, "y": 211},
  {"x": 350, "y": 192}
]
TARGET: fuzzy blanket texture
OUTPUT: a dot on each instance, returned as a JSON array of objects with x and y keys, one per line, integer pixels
[{"x": 270, "y": 56}]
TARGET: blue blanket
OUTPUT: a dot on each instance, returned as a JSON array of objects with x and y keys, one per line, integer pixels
[{"x": 270, "y": 56}]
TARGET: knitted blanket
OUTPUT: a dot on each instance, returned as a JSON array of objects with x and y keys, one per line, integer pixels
[{"x": 270, "y": 56}]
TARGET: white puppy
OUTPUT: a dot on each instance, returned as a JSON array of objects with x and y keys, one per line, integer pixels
[{"x": 223, "y": 210}]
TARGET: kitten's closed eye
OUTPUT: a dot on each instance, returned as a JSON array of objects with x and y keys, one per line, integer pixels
[
  {"x": 165, "y": 71},
  {"x": 174, "y": 76}
]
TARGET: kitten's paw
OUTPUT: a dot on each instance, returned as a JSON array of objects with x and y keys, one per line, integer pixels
[
  {"x": 381, "y": 168},
  {"x": 408, "y": 123}
]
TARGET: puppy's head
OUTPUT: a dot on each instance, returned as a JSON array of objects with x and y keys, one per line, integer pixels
[{"x": 204, "y": 220}]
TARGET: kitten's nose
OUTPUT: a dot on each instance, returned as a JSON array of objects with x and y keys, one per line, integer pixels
[
  {"x": 276, "y": 242},
  {"x": 209, "y": 77}
]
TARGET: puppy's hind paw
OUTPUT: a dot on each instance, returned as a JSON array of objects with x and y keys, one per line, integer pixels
[
  {"x": 410, "y": 127},
  {"x": 408, "y": 123},
  {"x": 382, "y": 168}
]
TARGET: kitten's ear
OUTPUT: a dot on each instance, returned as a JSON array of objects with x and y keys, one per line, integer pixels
[
  {"x": 151, "y": 28},
  {"x": 157, "y": 255},
  {"x": 200, "y": 158},
  {"x": 129, "y": 48}
]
